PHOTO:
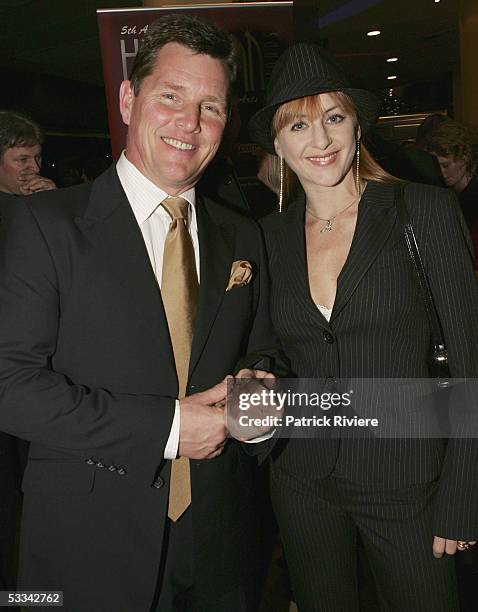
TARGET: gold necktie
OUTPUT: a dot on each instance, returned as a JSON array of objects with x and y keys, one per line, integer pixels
[{"x": 179, "y": 290}]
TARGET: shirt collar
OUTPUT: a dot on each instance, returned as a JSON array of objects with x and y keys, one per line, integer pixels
[{"x": 143, "y": 195}]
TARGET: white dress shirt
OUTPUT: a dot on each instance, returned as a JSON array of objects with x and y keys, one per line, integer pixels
[{"x": 145, "y": 199}]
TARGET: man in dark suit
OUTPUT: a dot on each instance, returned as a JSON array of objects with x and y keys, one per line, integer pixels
[{"x": 92, "y": 355}]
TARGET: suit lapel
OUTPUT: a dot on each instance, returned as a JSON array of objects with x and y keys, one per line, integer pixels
[
  {"x": 216, "y": 247},
  {"x": 375, "y": 221},
  {"x": 111, "y": 227},
  {"x": 291, "y": 243}
]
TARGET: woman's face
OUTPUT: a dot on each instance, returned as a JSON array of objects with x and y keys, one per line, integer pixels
[
  {"x": 454, "y": 172},
  {"x": 320, "y": 150}
]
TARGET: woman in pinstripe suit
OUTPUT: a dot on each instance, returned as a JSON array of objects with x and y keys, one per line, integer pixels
[{"x": 345, "y": 303}]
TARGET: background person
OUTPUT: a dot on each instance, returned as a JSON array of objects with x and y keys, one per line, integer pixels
[
  {"x": 345, "y": 304},
  {"x": 21, "y": 142},
  {"x": 454, "y": 146},
  {"x": 20, "y": 160}
]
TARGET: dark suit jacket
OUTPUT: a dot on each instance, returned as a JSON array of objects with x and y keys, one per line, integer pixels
[
  {"x": 8, "y": 468},
  {"x": 8, "y": 485},
  {"x": 10, "y": 473},
  {"x": 87, "y": 374},
  {"x": 379, "y": 328}
]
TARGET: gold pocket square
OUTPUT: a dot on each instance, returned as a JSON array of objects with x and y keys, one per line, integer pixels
[{"x": 241, "y": 274}]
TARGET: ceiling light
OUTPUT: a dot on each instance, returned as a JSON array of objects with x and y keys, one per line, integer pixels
[
  {"x": 392, "y": 59},
  {"x": 391, "y": 77},
  {"x": 437, "y": 1},
  {"x": 374, "y": 33}
]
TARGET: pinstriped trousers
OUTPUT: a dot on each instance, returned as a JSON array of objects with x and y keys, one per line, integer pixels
[{"x": 319, "y": 524}]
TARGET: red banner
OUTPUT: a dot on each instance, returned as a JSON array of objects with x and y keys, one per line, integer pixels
[{"x": 262, "y": 29}]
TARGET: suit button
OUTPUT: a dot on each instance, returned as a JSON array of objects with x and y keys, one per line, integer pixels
[
  {"x": 328, "y": 337},
  {"x": 121, "y": 471},
  {"x": 228, "y": 180},
  {"x": 158, "y": 483}
]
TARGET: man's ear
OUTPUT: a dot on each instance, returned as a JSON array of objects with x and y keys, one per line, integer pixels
[{"x": 126, "y": 101}]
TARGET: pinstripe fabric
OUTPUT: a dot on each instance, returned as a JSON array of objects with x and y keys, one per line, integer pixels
[
  {"x": 320, "y": 546},
  {"x": 379, "y": 329}
]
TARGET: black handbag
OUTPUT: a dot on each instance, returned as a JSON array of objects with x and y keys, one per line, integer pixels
[{"x": 438, "y": 359}]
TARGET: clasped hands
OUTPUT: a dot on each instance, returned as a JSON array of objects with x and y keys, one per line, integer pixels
[{"x": 205, "y": 425}]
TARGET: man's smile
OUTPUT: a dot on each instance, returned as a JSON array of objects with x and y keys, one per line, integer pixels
[{"x": 178, "y": 144}]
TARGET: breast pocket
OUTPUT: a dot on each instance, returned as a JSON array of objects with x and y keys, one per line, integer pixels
[{"x": 238, "y": 299}]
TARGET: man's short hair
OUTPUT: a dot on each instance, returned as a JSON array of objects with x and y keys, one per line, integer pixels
[
  {"x": 203, "y": 37},
  {"x": 17, "y": 130}
]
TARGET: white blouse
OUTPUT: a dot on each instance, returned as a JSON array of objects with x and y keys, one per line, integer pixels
[{"x": 325, "y": 311}]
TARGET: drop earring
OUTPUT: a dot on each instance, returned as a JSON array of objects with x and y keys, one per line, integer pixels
[
  {"x": 281, "y": 192},
  {"x": 357, "y": 167}
]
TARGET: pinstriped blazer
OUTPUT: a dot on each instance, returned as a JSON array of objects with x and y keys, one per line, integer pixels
[{"x": 379, "y": 328}]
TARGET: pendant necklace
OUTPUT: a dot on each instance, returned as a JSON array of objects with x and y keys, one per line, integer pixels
[{"x": 328, "y": 222}]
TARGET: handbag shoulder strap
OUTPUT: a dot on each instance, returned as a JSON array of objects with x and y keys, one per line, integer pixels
[{"x": 439, "y": 347}]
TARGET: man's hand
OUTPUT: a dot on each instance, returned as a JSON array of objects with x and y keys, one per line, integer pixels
[
  {"x": 442, "y": 545},
  {"x": 251, "y": 407},
  {"x": 203, "y": 433},
  {"x": 32, "y": 183}
]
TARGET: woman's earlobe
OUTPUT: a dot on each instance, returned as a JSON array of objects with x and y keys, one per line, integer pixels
[{"x": 277, "y": 147}]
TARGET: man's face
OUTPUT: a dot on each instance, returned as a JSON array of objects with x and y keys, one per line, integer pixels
[
  {"x": 177, "y": 120},
  {"x": 17, "y": 166}
]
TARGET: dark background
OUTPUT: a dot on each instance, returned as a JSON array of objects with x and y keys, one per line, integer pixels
[{"x": 51, "y": 65}]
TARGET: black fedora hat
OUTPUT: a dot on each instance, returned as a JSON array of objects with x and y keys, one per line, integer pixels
[{"x": 304, "y": 70}]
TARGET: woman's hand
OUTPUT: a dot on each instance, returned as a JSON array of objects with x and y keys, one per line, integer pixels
[{"x": 442, "y": 545}]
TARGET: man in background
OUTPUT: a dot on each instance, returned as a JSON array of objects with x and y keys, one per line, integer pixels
[
  {"x": 20, "y": 160},
  {"x": 21, "y": 142}
]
